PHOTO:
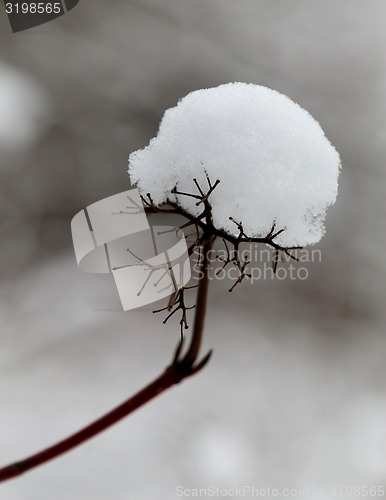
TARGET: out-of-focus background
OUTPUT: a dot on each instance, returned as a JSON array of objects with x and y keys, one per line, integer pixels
[{"x": 295, "y": 395}]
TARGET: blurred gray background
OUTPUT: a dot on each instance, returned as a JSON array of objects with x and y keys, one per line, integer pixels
[{"x": 295, "y": 395}]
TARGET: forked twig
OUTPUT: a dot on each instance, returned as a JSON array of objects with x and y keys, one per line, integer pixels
[{"x": 178, "y": 304}]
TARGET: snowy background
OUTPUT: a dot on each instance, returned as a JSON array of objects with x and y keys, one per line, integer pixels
[{"x": 295, "y": 395}]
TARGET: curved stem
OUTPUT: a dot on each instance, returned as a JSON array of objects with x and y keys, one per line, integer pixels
[
  {"x": 160, "y": 384},
  {"x": 179, "y": 369}
]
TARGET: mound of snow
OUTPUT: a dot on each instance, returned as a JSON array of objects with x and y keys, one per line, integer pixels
[{"x": 272, "y": 158}]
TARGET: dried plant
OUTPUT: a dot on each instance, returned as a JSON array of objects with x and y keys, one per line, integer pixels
[{"x": 185, "y": 360}]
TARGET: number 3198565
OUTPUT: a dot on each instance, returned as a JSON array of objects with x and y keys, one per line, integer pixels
[{"x": 33, "y": 8}]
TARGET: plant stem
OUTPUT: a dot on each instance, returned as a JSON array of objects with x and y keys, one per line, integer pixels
[
  {"x": 201, "y": 303},
  {"x": 178, "y": 370},
  {"x": 163, "y": 382}
]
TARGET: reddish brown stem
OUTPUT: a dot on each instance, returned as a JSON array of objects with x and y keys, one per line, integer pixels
[
  {"x": 202, "y": 299},
  {"x": 163, "y": 382},
  {"x": 179, "y": 369}
]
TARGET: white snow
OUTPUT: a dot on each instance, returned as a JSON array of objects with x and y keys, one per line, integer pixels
[{"x": 272, "y": 158}]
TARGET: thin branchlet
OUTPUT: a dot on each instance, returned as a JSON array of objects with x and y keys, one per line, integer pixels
[
  {"x": 178, "y": 304},
  {"x": 204, "y": 223}
]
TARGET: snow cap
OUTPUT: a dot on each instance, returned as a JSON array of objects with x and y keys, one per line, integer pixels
[{"x": 271, "y": 156}]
